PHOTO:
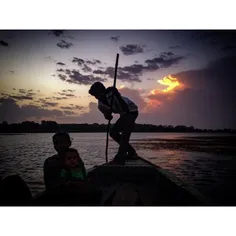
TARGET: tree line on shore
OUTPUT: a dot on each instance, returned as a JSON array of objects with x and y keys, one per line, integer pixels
[{"x": 52, "y": 126}]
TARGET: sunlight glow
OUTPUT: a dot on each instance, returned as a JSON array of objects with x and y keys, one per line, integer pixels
[{"x": 170, "y": 82}]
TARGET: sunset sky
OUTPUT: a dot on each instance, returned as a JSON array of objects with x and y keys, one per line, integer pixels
[{"x": 175, "y": 77}]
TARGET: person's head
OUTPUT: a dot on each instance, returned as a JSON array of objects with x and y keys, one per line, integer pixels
[
  {"x": 71, "y": 158},
  {"x": 97, "y": 90},
  {"x": 61, "y": 142}
]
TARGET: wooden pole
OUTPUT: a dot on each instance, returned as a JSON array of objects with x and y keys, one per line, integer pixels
[{"x": 112, "y": 97}]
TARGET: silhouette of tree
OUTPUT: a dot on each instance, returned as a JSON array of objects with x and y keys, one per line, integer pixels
[{"x": 52, "y": 126}]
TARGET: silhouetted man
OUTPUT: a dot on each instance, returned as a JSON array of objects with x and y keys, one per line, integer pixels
[
  {"x": 53, "y": 165},
  {"x": 128, "y": 111}
]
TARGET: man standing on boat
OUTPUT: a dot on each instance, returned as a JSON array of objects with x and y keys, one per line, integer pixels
[{"x": 128, "y": 111}]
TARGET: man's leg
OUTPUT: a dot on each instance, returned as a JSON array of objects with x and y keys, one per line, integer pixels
[
  {"x": 128, "y": 124},
  {"x": 116, "y": 136},
  {"x": 116, "y": 129}
]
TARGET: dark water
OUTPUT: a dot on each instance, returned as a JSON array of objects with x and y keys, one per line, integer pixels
[{"x": 208, "y": 164}]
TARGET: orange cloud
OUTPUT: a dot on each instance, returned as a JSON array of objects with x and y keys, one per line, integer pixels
[
  {"x": 170, "y": 82},
  {"x": 152, "y": 103},
  {"x": 158, "y": 96}
]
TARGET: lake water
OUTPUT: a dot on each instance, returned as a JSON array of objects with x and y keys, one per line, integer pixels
[{"x": 214, "y": 175}]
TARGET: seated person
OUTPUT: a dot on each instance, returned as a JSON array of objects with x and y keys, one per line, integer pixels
[
  {"x": 73, "y": 171},
  {"x": 53, "y": 165},
  {"x": 63, "y": 170},
  {"x": 14, "y": 192}
]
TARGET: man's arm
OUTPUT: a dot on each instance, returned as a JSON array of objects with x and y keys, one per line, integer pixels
[
  {"x": 119, "y": 99},
  {"x": 83, "y": 168},
  {"x": 106, "y": 112},
  {"x": 51, "y": 175}
]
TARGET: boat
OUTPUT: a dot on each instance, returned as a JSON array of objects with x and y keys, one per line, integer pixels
[
  {"x": 140, "y": 183},
  {"x": 136, "y": 183}
]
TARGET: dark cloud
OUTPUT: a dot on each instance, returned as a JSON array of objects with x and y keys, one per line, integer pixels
[
  {"x": 100, "y": 72},
  {"x": 133, "y": 72},
  {"x": 62, "y": 94},
  {"x": 7, "y": 100},
  {"x": 94, "y": 62},
  {"x": 155, "y": 60},
  {"x": 130, "y": 73},
  {"x": 79, "y": 61},
  {"x": 69, "y": 90},
  {"x": 133, "y": 69},
  {"x": 12, "y": 71},
  {"x": 167, "y": 54},
  {"x": 67, "y": 112},
  {"x": 4, "y": 43},
  {"x": 59, "y": 98},
  {"x": 219, "y": 74},
  {"x": 22, "y": 91},
  {"x": 115, "y": 38},
  {"x": 229, "y": 47},
  {"x": 42, "y": 100},
  {"x": 64, "y": 44},
  {"x": 21, "y": 97},
  {"x": 72, "y": 107},
  {"x": 65, "y": 107},
  {"x": 4, "y": 94},
  {"x": 122, "y": 74},
  {"x": 11, "y": 112},
  {"x": 132, "y": 49},
  {"x": 164, "y": 60},
  {"x": 70, "y": 95},
  {"x": 60, "y": 70},
  {"x": 62, "y": 77},
  {"x": 66, "y": 94},
  {"x": 210, "y": 100},
  {"x": 221, "y": 38},
  {"x": 57, "y": 33},
  {"x": 78, "y": 107},
  {"x": 30, "y": 94},
  {"x": 50, "y": 104},
  {"x": 67, "y": 71},
  {"x": 77, "y": 78},
  {"x": 97, "y": 61},
  {"x": 61, "y": 63},
  {"x": 85, "y": 63},
  {"x": 86, "y": 69}
]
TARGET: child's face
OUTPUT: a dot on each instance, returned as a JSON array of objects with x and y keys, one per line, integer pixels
[{"x": 71, "y": 159}]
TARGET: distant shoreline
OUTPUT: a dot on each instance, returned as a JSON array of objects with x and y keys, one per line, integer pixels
[
  {"x": 54, "y": 127},
  {"x": 173, "y": 132}
]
